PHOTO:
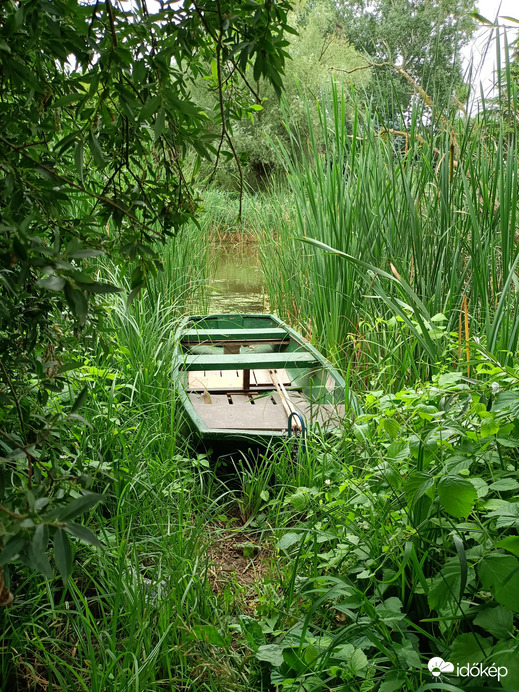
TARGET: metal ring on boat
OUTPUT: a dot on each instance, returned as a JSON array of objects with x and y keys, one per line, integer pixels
[{"x": 302, "y": 420}]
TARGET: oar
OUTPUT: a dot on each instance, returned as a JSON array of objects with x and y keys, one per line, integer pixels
[{"x": 285, "y": 400}]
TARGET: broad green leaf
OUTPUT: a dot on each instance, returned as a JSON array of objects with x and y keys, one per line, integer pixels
[
  {"x": 449, "y": 378},
  {"x": 293, "y": 657},
  {"x": 489, "y": 427},
  {"x": 357, "y": 662},
  {"x": 505, "y": 484},
  {"x": 209, "y": 634},
  {"x": 311, "y": 654},
  {"x": 393, "y": 681},
  {"x": 288, "y": 540},
  {"x": 510, "y": 543},
  {"x": 252, "y": 630},
  {"x": 500, "y": 574},
  {"x": 271, "y": 653},
  {"x": 391, "y": 427},
  {"x": 498, "y": 621},
  {"x": 469, "y": 648},
  {"x": 445, "y": 587},
  {"x": 63, "y": 554},
  {"x": 457, "y": 495},
  {"x": 416, "y": 485},
  {"x": 398, "y": 451},
  {"x": 506, "y": 655}
]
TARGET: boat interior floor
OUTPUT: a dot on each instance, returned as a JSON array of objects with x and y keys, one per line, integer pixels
[{"x": 222, "y": 403}]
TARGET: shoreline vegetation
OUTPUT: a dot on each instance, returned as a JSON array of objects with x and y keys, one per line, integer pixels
[{"x": 345, "y": 564}]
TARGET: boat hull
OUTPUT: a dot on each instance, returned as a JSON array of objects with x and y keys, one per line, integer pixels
[{"x": 238, "y": 378}]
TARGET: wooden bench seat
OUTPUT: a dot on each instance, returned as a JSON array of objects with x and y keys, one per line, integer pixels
[
  {"x": 298, "y": 359},
  {"x": 240, "y": 335}
]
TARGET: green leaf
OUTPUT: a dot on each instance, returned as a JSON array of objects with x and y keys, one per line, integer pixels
[
  {"x": 84, "y": 534},
  {"x": 449, "y": 378},
  {"x": 150, "y": 108},
  {"x": 85, "y": 253},
  {"x": 38, "y": 551},
  {"x": 498, "y": 621},
  {"x": 293, "y": 657},
  {"x": 506, "y": 655},
  {"x": 357, "y": 662},
  {"x": 398, "y": 451},
  {"x": 63, "y": 554},
  {"x": 480, "y": 18},
  {"x": 80, "y": 399},
  {"x": 500, "y": 575},
  {"x": 52, "y": 283},
  {"x": 489, "y": 427},
  {"x": 208, "y": 634},
  {"x": 79, "y": 159},
  {"x": 469, "y": 648},
  {"x": 271, "y": 653},
  {"x": 391, "y": 427},
  {"x": 457, "y": 495},
  {"x": 78, "y": 506},
  {"x": 288, "y": 540},
  {"x": 416, "y": 485},
  {"x": 77, "y": 302},
  {"x": 12, "y": 550},
  {"x": 445, "y": 587},
  {"x": 311, "y": 654},
  {"x": 102, "y": 288},
  {"x": 160, "y": 122},
  {"x": 510, "y": 543},
  {"x": 505, "y": 484},
  {"x": 392, "y": 682},
  {"x": 252, "y": 630},
  {"x": 97, "y": 152}
]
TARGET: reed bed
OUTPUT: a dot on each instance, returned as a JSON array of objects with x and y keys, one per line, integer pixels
[{"x": 427, "y": 217}]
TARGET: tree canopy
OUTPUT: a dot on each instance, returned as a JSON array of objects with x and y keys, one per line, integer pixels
[
  {"x": 319, "y": 53},
  {"x": 96, "y": 123},
  {"x": 423, "y": 37}
]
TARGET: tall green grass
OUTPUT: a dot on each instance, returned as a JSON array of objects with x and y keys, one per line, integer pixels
[
  {"x": 434, "y": 207},
  {"x": 127, "y": 619}
]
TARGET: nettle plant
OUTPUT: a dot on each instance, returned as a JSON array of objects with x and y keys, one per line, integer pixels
[{"x": 411, "y": 550}]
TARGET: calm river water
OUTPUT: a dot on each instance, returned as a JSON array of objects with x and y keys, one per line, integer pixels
[{"x": 237, "y": 284}]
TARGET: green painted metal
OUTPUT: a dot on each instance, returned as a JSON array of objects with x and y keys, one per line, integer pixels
[
  {"x": 247, "y": 361},
  {"x": 298, "y": 358},
  {"x": 200, "y": 335}
]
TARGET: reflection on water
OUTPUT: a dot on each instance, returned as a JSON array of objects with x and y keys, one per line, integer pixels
[{"x": 237, "y": 283}]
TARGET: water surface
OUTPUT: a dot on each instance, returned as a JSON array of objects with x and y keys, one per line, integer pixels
[{"x": 237, "y": 284}]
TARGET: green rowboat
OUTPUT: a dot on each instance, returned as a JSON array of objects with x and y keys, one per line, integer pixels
[{"x": 240, "y": 377}]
